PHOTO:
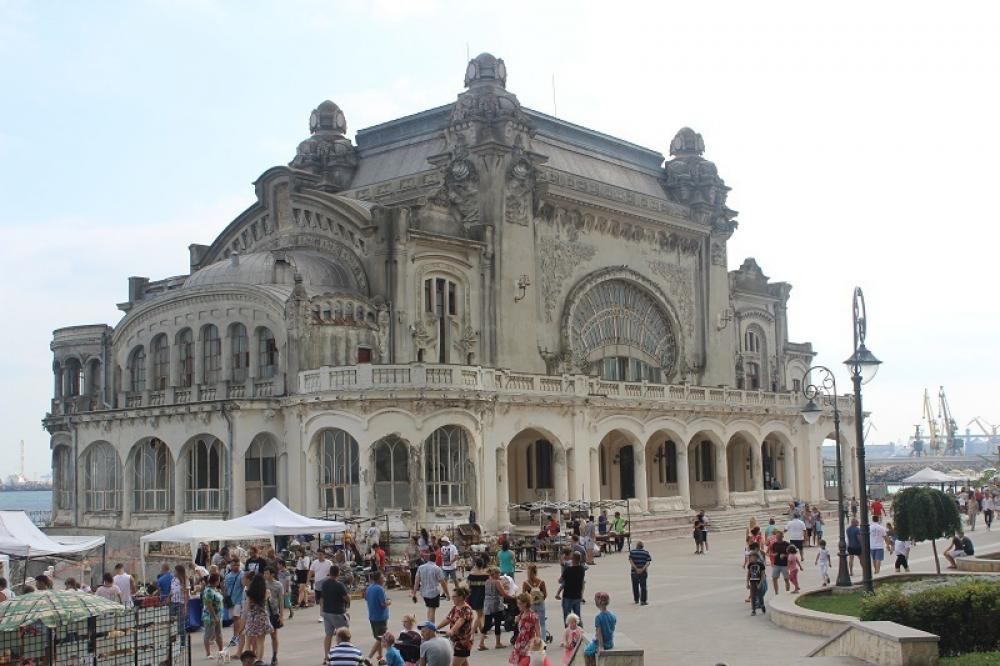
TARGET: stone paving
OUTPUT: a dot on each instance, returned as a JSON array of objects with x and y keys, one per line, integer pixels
[{"x": 696, "y": 614}]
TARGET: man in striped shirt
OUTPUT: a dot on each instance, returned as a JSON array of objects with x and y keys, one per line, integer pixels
[
  {"x": 638, "y": 560},
  {"x": 344, "y": 653}
]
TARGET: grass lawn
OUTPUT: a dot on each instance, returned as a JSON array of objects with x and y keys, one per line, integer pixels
[
  {"x": 973, "y": 659},
  {"x": 841, "y": 604}
]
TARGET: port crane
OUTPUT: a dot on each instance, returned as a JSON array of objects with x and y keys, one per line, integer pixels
[
  {"x": 990, "y": 431},
  {"x": 953, "y": 444},
  {"x": 932, "y": 426}
]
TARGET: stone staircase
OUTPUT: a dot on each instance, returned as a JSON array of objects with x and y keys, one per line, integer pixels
[{"x": 678, "y": 524}]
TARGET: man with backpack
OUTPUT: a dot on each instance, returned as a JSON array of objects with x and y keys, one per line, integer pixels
[
  {"x": 756, "y": 581},
  {"x": 449, "y": 559}
]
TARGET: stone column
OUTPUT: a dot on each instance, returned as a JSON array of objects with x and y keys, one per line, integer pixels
[
  {"x": 227, "y": 355},
  {"x": 366, "y": 478},
  {"x": 571, "y": 479},
  {"x": 560, "y": 474},
  {"x": 503, "y": 487},
  {"x": 180, "y": 479},
  {"x": 595, "y": 477},
  {"x": 174, "y": 365},
  {"x": 199, "y": 362},
  {"x": 684, "y": 476},
  {"x": 239, "y": 491},
  {"x": 721, "y": 475},
  {"x": 757, "y": 465},
  {"x": 641, "y": 489}
]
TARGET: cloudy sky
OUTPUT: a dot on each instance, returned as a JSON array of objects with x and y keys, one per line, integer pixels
[{"x": 860, "y": 143}]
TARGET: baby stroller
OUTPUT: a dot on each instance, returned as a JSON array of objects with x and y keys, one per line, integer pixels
[{"x": 409, "y": 650}]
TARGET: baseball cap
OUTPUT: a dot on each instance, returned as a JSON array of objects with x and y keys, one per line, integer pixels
[
  {"x": 445, "y": 539},
  {"x": 427, "y": 624}
]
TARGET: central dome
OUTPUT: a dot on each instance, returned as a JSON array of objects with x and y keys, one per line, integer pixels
[{"x": 318, "y": 270}]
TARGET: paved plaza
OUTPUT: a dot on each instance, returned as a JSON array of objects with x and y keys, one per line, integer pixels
[{"x": 696, "y": 614}]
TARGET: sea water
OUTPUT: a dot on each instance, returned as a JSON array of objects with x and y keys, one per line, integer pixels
[{"x": 26, "y": 500}]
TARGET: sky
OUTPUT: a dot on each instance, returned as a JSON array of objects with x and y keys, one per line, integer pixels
[{"x": 859, "y": 140}]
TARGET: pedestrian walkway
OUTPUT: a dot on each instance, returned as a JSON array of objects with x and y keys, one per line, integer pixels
[{"x": 696, "y": 614}]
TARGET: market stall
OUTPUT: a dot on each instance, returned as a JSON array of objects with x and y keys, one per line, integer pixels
[
  {"x": 278, "y": 520},
  {"x": 189, "y": 534},
  {"x": 20, "y": 539}
]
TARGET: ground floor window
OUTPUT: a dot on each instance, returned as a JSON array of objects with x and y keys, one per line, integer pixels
[
  {"x": 446, "y": 456},
  {"x": 704, "y": 459},
  {"x": 62, "y": 477},
  {"x": 206, "y": 476},
  {"x": 339, "y": 487},
  {"x": 152, "y": 477},
  {"x": 103, "y": 478},
  {"x": 392, "y": 473},
  {"x": 261, "y": 472}
]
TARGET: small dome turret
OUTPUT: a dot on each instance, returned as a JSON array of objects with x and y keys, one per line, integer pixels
[
  {"x": 327, "y": 118},
  {"x": 486, "y": 68}
]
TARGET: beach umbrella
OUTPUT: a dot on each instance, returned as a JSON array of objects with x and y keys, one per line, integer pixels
[{"x": 54, "y": 608}]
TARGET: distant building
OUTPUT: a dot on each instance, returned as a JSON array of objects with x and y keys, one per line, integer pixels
[{"x": 472, "y": 306}]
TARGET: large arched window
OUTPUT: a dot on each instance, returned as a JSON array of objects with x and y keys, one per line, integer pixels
[
  {"x": 185, "y": 358},
  {"x": 206, "y": 476},
  {"x": 339, "y": 488},
  {"x": 211, "y": 354},
  {"x": 446, "y": 456},
  {"x": 152, "y": 477},
  {"x": 92, "y": 377},
  {"x": 62, "y": 477},
  {"x": 620, "y": 331},
  {"x": 261, "y": 472},
  {"x": 539, "y": 457},
  {"x": 392, "y": 473},
  {"x": 704, "y": 462},
  {"x": 160, "y": 350},
  {"x": 103, "y": 478},
  {"x": 773, "y": 463},
  {"x": 137, "y": 369},
  {"x": 241, "y": 352},
  {"x": 267, "y": 353}
]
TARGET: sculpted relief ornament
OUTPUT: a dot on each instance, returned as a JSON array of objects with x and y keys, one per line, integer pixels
[
  {"x": 678, "y": 283},
  {"x": 558, "y": 260},
  {"x": 694, "y": 181},
  {"x": 327, "y": 153}
]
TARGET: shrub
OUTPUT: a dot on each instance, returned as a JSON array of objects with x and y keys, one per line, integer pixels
[{"x": 962, "y": 614}]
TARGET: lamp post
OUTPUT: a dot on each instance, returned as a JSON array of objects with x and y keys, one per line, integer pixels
[
  {"x": 860, "y": 361},
  {"x": 826, "y": 389}
]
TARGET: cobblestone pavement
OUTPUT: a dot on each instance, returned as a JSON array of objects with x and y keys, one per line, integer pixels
[{"x": 696, "y": 613}]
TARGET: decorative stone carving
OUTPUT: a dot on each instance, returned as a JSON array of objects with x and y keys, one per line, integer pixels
[
  {"x": 422, "y": 337},
  {"x": 468, "y": 341},
  {"x": 572, "y": 222},
  {"x": 692, "y": 180},
  {"x": 556, "y": 363},
  {"x": 679, "y": 286},
  {"x": 718, "y": 253},
  {"x": 558, "y": 259},
  {"x": 461, "y": 186},
  {"x": 518, "y": 202},
  {"x": 327, "y": 153},
  {"x": 382, "y": 333}
]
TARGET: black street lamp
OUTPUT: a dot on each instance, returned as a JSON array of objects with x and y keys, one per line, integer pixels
[
  {"x": 860, "y": 361},
  {"x": 826, "y": 390}
]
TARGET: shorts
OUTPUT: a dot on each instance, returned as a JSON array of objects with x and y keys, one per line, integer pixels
[
  {"x": 332, "y": 622},
  {"x": 236, "y": 610},
  {"x": 798, "y": 543},
  {"x": 878, "y": 554},
  {"x": 461, "y": 652},
  {"x": 213, "y": 633},
  {"x": 432, "y": 602},
  {"x": 778, "y": 570},
  {"x": 854, "y": 551},
  {"x": 301, "y": 576},
  {"x": 451, "y": 574},
  {"x": 378, "y": 628},
  {"x": 958, "y": 553}
]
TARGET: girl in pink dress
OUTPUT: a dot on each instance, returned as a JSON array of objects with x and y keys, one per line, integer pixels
[
  {"x": 572, "y": 637},
  {"x": 794, "y": 566}
]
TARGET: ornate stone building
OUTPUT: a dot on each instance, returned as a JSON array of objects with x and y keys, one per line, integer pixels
[{"x": 475, "y": 305}]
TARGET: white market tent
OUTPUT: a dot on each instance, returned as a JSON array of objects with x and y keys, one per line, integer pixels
[
  {"x": 19, "y": 537},
  {"x": 928, "y": 475},
  {"x": 194, "y": 532},
  {"x": 277, "y": 519}
]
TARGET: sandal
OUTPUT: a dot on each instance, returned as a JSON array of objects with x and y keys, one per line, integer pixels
[{"x": 482, "y": 647}]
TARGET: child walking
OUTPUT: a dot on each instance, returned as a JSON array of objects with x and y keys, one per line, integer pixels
[
  {"x": 572, "y": 637},
  {"x": 794, "y": 566},
  {"x": 756, "y": 580},
  {"x": 823, "y": 561},
  {"x": 604, "y": 625}
]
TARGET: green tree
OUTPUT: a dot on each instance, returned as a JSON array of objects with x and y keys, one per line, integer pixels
[{"x": 923, "y": 514}]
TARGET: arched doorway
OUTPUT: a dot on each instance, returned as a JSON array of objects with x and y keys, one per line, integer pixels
[
  {"x": 775, "y": 464},
  {"x": 618, "y": 463},
  {"x": 339, "y": 488},
  {"x": 449, "y": 472},
  {"x": 740, "y": 463},
  {"x": 706, "y": 480},
  {"x": 391, "y": 455}
]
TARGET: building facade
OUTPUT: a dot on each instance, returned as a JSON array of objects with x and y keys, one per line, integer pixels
[{"x": 469, "y": 307}]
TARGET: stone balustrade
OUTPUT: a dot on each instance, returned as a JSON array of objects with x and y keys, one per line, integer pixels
[{"x": 367, "y": 377}]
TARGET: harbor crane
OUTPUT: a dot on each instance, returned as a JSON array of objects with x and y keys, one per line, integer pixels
[
  {"x": 953, "y": 444},
  {"x": 932, "y": 426},
  {"x": 990, "y": 431}
]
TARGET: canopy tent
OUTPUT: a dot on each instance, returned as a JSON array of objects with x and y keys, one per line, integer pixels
[
  {"x": 928, "y": 475},
  {"x": 20, "y": 537},
  {"x": 277, "y": 519},
  {"x": 194, "y": 532}
]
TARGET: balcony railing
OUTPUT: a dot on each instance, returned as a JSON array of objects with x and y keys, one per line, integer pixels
[
  {"x": 473, "y": 378},
  {"x": 213, "y": 500}
]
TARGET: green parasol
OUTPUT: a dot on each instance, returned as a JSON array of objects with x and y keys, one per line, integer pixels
[{"x": 53, "y": 609}]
